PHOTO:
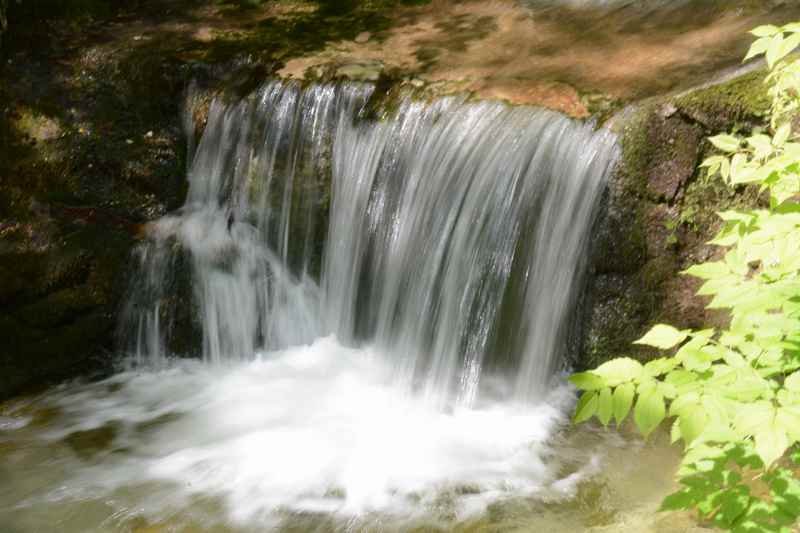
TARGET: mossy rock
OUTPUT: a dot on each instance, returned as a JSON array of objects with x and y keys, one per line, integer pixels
[
  {"x": 740, "y": 103},
  {"x": 661, "y": 212}
]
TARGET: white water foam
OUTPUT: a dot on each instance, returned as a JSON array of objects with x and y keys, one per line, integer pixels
[{"x": 312, "y": 429}]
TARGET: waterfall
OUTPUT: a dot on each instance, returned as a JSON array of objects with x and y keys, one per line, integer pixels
[{"x": 451, "y": 234}]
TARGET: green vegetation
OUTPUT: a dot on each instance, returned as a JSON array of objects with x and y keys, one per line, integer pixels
[{"x": 733, "y": 394}]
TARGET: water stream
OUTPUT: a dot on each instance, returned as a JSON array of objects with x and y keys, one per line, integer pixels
[
  {"x": 381, "y": 305},
  {"x": 441, "y": 234}
]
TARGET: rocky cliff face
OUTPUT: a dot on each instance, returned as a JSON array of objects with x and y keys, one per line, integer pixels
[{"x": 92, "y": 143}]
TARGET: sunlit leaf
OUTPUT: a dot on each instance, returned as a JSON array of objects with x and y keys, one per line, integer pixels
[
  {"x": 622, "y": 401},
  {"x": 767, "y": 30},
  {"x": 782, "y": 135},
  {"x": 604, "y": 406},
  {"x": 619, "y": 371},
  {"x": 663, "y": 336},
  {"x": 771, "y": 442},
  {"x": 587, "y": 381},
  {"x": 692, "y": 422},
  {"x": 586, "y": 408},
  {"x": 649, "y": 411},
  {"x": 792, "y": 382},
  {"x": 711, "y": 270},
  {"x": 660, "y": 366},
  {"x": 774, "y": 50},
  {"x": 757, "y": 48},
  {"x": 726, "y": 143}
]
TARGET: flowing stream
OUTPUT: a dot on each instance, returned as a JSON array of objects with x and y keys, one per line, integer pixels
[
  {"x": 381, "y": 303},
  {"x": 452, "y": 236}
]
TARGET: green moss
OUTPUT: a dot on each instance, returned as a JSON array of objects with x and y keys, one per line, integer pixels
[
  {"x": 723, "y": 107},
  {"x": 636, "y": 150}
]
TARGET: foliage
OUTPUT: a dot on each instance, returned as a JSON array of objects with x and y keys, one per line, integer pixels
[{"x": 733, "y": 395}]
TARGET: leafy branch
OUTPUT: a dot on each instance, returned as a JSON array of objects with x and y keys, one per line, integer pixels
[{"x": 733, "y": 395}]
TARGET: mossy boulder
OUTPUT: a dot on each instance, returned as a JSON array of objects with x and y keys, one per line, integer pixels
[{"x": 661, "y": 212}]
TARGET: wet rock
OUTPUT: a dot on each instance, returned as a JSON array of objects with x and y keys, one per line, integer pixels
[
  {"x": 659, "y": 215},
  {"x": 89, "y": 443}
]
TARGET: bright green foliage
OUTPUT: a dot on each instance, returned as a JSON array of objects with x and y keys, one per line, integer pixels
[{"x": 733, "y": 395}]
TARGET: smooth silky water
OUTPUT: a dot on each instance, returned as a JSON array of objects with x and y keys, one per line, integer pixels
[{"x": 380, "y": 308}]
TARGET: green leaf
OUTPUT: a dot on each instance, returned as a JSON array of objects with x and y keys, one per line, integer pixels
[
  {"x": 677, "y": 501},
  {"x": 684, "y": 402},
  {"x": 732, "y": 504},
  {"x": 660, "y": 366},
  {"x": 695, "y": 359},
  {"x": 586, "y": 408},
  {"x": 622, "y": 401},
  {"x": 774, "y": 50},
  {"x": 712, "y": 162},
  {"x": 681, "y": 377},
  {"x": 788, "y": 418},
  {"x": 787, "y": 46},
  {"x": 782, "y": 135},
  {"x": 712, "y": 270},
  {"x": 587, "y": 381},
  {"x": 767, "y": 30},
  {"x": 750, "y": 417},
  {"x": 726, "y": 143},
  {"x": 663, "y": 336},
  {"x": 736, "y": 216},
  {"x": 604, "y": 406},
  {"x": 771, "y": 442},
  {"x": 725, "y": 168},
  {"x": 761, "y": 143},
  {"x": 649, "y": 411},
  {"x": 788, "y": 398},
  {"x": 792, "y": 382},
  {"x": 619, "y": 371},
  {"x": 786, "y": 492},
  {"x": 733, "y": 358},
  {"x": 692, "y": 422},
  {"x": 757, "y": 48}
]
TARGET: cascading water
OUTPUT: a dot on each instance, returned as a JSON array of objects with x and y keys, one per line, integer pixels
[
  {"x": 444, "y": 220},
  {"x": 381, "y": 306}
]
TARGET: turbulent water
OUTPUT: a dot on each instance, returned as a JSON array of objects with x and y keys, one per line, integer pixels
[
  {"x": 381, "y": 298},
  {"x": 452, "y": 235}
]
